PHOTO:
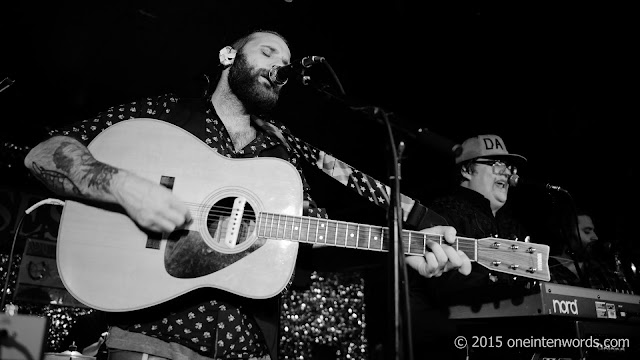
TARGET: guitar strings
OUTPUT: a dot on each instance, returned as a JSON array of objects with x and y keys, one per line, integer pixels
[
  {"x": 225, "y": 210},
  {"x": 222, "y": 211},
  {"x": 465, "y": 245}
]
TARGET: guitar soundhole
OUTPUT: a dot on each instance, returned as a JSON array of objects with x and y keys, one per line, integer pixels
[
  {"x": 230, "y": 225},
  {"x": 190, "y": 255}
]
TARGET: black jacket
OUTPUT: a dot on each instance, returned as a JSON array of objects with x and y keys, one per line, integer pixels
[{"x": 470, "y": 214}]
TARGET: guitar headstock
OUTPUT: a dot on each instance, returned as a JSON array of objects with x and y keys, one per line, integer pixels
[{"x": 515, "y": 257}]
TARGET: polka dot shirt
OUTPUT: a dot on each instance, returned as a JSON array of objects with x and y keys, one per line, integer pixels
[{"x": 213, "y": 327}]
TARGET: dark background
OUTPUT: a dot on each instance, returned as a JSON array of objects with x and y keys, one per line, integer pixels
[{"x": 553, "y": 78}]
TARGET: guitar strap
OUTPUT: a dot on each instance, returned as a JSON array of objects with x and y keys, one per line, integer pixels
[{"x": 414, "y": 214}]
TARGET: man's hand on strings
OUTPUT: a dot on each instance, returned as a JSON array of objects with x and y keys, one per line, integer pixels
[{"x": 440, "y": 258}]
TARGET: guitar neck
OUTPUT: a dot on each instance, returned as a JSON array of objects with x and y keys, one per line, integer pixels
[{"x": 351, "y": 235}]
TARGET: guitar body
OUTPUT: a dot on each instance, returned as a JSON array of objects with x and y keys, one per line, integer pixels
[{"x": 108, "y": 263}]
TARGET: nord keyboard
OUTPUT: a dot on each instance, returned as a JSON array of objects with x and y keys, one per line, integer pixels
[{"x": 558, "y": 300}]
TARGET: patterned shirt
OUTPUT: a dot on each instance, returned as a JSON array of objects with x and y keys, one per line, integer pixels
[{"x": 214, "y": 327}]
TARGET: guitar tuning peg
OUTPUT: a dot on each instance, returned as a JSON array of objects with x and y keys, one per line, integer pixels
[{"x": 527, "y": 238}]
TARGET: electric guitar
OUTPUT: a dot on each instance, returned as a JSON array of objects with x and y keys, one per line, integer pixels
[{"x": 244, "y": 235}]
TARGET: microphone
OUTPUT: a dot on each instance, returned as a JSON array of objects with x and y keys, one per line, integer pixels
[
  {"x": 439, "y": 142},
  {"x": 600, "y": 247},
  {"x": 515, "y": 180},
  {"x": 278, "y": 75}
]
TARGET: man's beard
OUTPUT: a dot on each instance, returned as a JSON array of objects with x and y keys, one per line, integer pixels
[{"x": 244, "y": 82}]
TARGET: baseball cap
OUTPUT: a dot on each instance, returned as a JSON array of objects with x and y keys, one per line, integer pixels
[{"x": 487, "y": 146}]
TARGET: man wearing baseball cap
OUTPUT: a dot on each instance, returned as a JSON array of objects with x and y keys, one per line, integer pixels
[
  {"x": 475, "y": 210},
  {"x": 485, "y": 167}
]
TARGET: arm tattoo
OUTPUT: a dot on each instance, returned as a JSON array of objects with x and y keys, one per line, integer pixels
[
  {"x": 99, "y": 175},
  {"x": 55, "y": 180},
  {"x": 75, "y": 163}
]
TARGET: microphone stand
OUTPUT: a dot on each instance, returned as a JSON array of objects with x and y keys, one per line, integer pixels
[
  {"x": 402, "y": 331},
  {"x": 399, "y": 294}
]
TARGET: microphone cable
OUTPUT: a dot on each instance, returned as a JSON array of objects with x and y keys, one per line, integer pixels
[
  {"x": 49, "y": 201},
  {"x": 334, "y": 76}
]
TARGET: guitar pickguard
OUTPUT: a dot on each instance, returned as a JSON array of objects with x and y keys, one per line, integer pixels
[{"x": 189, "y": 255}]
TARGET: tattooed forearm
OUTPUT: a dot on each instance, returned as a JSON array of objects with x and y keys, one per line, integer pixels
[
  {"x": 99, "y": 176},
  {"x": 76, "y": 160},
  {"x": 55, "y": 180},
  {"x": 66, "y": 166}
]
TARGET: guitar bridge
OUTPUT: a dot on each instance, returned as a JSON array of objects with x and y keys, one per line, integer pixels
[{"x": 154, "y": 239}]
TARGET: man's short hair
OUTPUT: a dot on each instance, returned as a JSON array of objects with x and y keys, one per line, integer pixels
[{"x": 239, "y": 43}]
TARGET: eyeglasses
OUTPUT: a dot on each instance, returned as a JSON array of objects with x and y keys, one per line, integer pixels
[{"x": 499, "y": 167}]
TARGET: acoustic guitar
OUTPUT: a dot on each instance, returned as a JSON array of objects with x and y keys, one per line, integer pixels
[{"x": 245, "y": 232}]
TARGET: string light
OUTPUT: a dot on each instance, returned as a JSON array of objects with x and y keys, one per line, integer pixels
[
  {"x": 328, "y": 315},
  {"x": 12, "y": 156}
]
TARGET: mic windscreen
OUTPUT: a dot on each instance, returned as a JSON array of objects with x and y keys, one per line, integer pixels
[{"x": 514, "y": 180}]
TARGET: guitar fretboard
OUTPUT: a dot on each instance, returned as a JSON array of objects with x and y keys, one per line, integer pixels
[{"x": 350, "y": 235}]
